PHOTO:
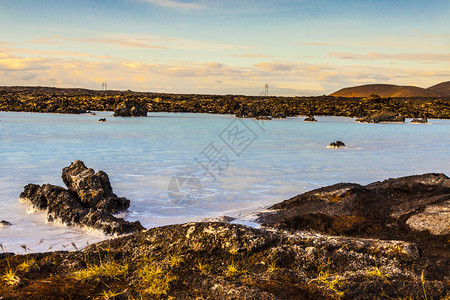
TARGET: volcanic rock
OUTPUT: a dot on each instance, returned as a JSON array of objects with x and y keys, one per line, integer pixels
[
  {"x": 310, "y": 119},
  {"x": 419, "y": 121},
  {"x": 382, "y": 117},
  {"x": 413, "y": 208},
  {"x": 89, "y": 201},
  {"x": 335, "y": 145},
  {"x": 130, "y": 108},
  {"x": 231, "y": 261},
  {"x": 5, "y": 223},
  {"x": 263, "y": 118}
]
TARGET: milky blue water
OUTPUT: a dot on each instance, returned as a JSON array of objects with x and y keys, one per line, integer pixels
[{"x": 234, "y": 166}]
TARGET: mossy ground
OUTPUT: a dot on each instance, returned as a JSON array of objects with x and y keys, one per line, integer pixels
[{"x": 242, "y": 262}]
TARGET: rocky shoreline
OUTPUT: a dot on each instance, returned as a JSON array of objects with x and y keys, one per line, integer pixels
[
  {"x": 74, "y": 101},
  {"x": 384, "y": 240}
]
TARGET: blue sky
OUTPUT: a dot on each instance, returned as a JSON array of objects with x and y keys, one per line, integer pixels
[{"x": 298, "y": 47}]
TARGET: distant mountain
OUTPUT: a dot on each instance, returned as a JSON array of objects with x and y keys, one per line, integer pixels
[
  {"x": 391, "y": 90},
  {"x": 442, "y": 88}
]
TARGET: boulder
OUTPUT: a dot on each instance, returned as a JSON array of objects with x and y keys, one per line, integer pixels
[
  {"x": 88, "y": 202},
  {"x": 130, "y": 108},
  {"x": 310, "y": 119},
  {"x": 335, "y": 145},
  {"x": 413, "y": 208},
  {"x": 382, "y": 117},
  {"x": 102, "y": 120}
]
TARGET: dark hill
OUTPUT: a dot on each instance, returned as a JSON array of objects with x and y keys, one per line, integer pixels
[
  {"x": 387, "y": 90},
  {"x": 442, "y": 88}
]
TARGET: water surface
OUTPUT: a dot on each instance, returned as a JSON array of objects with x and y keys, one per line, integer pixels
[{"x": 242, "y": 165}]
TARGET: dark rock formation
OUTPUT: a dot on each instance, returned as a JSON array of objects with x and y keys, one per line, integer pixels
[
  {"x": 5, "y": 223},
  {"x": 89, "y": 201},
  {"x": 310, "y": 119},
  {"x": 413, "y": 208},
  {"x": 420, "y": 121},
  {"x": 130, "y": 108},
  {"x": 102, "y": 120},
  {"x": 263, "y": 118},
  {"x": 337, "y": 144},
  {"x": 382, "y": 117}
]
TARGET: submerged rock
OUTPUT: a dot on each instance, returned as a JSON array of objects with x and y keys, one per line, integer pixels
[
  {"x": 130, "y": 108},
  {"x": 337, "y": 144},
  {"x": 382, "y": 117},
  {"x": 88, "y": 202},
  {"x": 5, "y": 223}
]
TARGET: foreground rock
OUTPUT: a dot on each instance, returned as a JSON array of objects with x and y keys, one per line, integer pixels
[
  {"x": 130, "y": 108},
  {"x": 383, "y": 117},
  {"x": 89, "y": 201},
  {"x": 413, "y": 208},
  {"x": 228, "y": 261}
]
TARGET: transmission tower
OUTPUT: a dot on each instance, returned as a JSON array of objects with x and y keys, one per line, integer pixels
[
  {"x": 104, "y": 86},
  {"x": 266, "y": 90}
]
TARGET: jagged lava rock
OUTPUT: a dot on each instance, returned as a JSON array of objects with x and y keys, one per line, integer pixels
[
  {"x": 5, "y": 223},
  {"x": 310, "y": 119},
  {"x": 382, "y": 117},
  {"x": 413, "y": 208},
  {"x": 130, "y": 108},
  {"x": 419, "y": 121},
  {"x": 335, "y": 145},
  {"x": 89, "y": 201},
  {"x": 93, "y": 189}
]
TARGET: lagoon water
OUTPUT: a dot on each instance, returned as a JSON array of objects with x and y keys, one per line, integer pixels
[{"x": 234, "y": 166}]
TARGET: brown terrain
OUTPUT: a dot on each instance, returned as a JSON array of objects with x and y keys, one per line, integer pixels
[
  {"x": 129, "y": 103},
  {"x": 390, "y": 90}
]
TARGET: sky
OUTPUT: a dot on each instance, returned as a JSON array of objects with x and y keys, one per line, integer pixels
[{"x": 299, "y": 48}]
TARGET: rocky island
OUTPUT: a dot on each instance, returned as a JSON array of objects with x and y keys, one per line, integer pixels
[
  {"x": 88, "y": 201},
  {"x": 387, "y": 239}
]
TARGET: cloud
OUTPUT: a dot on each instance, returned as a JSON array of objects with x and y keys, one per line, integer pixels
[
  {"x": 251, "y": 55},
  {"x": 400, "y": 56},
  {"x": 117, "y": 41},
  {"x": 47, "y": 40},
  {"x": 284, "y": 77},
  {"x": 54, "y": 53},
  {"x": 314, "y": 44},
  {"x": 175, "y": 4},
  {"x": 275, "y": 66}
]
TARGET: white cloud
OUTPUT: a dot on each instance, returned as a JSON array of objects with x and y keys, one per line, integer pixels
[{"x": 401, "y": 56}]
